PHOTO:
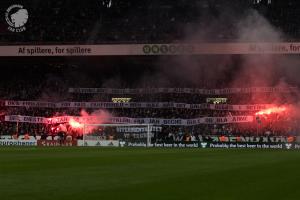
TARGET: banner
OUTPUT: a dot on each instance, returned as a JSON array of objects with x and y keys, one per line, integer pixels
[
  {"x": 223, "y": 91},
  {"x": 241, "y": 140},
  {"x": 248, "y": 145},
  {"x": 214, "y": 145},
  {"x": 10, "y": 142},
  {"x": 54, "y": 143},
  {"x": 248, "y": 139},
  {"x": 126, "y": 120},
  {"x": 151, "y": 49},
  {"x": 107, "y": 105},
  {"x": 216, "y": 100},
  {"x": 99, "y": 143},
  {"x": 129, "y": 129}
]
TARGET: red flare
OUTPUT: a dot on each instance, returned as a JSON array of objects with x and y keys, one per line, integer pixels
[
  {"x": 74, "y": 124},
  {"x": 271, "y": 111}
]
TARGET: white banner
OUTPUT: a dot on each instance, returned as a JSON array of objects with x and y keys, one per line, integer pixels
[
  {"x": 99, "y": 143},
  {"x": 10, "y": 142},
  {"x": 125, "y": 120},
  {"x": 129, "y": 129},
  {"x": 223, "y": 91},
  {"x": 106, "y": 105},
  {"x": 151, "y": 49}
]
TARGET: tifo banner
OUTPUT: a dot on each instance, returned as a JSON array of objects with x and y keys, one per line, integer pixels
[
  {"x": 125, "y": 120},
  {"x": 223, "y": 91},
  {"x": 151, "y": 49},
  {"x": 249, "y": 139},
  {"x": 245, "y": 139},
  {"x": 10, "y": 142},
  {"x": 107, "y": 105}
]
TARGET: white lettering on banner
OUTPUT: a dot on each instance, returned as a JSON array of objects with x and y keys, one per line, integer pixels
[
  {"x": 224, "y": 91},
  {"x": 138, "y": 129},
  {"x": 125, "y": 120},
  {"x": 107, "y": 105}
]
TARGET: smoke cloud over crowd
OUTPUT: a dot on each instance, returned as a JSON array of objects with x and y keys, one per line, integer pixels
[{"x": 233, "y": 70}]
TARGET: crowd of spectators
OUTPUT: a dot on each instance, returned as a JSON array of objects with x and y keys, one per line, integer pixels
[
  {"x": 148, "y": 21},
  {"x": 271, "y": 125},
  {"x": 51, "y": 84}
]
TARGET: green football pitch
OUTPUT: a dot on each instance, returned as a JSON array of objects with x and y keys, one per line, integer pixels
[{"x": 139, "y": 173}]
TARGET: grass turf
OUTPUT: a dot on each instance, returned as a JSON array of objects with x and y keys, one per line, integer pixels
[{"x": 138, "y": 173}]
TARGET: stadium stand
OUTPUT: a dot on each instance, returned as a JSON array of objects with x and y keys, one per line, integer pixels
[
  {"x": 48, "y": 84},
  {"x": 133, "y": 22}
]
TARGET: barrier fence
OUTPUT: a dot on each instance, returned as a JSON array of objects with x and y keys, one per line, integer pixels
[{"x": 225, "y": 142}]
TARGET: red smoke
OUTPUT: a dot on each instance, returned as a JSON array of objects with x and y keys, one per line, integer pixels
[
  {"x": 80, "y": 124},
  {"x": 99, "y": 117}
]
